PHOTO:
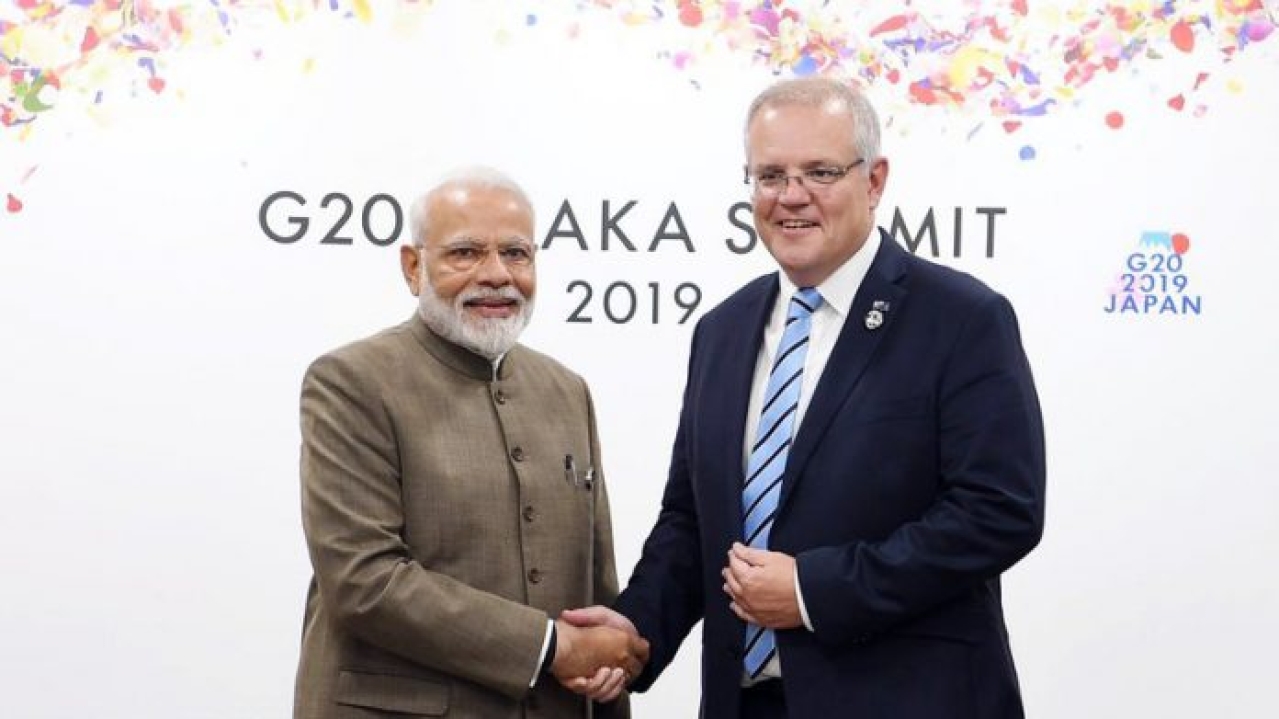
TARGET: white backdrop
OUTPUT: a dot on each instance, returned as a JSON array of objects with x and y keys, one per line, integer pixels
[{"x": 154, "y": 336}]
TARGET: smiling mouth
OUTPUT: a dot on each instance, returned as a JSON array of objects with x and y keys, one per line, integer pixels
[
  {"x": 494, "y": 307},
  {"x": 796, "y": 224}
]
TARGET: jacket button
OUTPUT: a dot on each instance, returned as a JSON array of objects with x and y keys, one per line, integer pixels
[
  {"x": 499, "y": 397},
  {"x": 529, "y": 513},
  {"x": 534, "y": 575},
  {"x": 517, "y": 454}
]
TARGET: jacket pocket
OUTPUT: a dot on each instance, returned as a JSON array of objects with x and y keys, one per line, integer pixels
[{"x": 390, "y": 692}]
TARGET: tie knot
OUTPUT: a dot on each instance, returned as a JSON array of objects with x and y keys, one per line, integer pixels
[{"x": 805, "y": 301}]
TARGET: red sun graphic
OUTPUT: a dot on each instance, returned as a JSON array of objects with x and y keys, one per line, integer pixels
[{"x": 1180, "y": 243}]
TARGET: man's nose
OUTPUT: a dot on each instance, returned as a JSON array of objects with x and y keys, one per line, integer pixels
[
  {"x": 794, "y": 192},
  {"x": 492, "y": 271}
]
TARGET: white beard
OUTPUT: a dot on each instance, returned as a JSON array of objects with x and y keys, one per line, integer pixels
[{"x": 489, "y": 337}]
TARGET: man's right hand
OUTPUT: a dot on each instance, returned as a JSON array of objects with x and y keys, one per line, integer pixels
[{"x": 587, "y": 657}]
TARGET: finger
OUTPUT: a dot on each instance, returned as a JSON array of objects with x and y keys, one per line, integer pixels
[
  {"x": 610, "y": 696},
  {"x": 632, "y": 666},
  {"x": 587, "y": 616},
  {"x": 611, "y": 688},
  {"x": 639, "y": 649},
  {"x": 740, "y": 577},
  {"x": 594, "y": 687},
  {"x": 599, "y": 616},
  {"x": 750, "y": 555},
  {"x": 742, "y": 613},
  {"x": 738, "y": 567},
  {"x": 596, "y": 684},
  {"x": 731, "y": 585},
  {"x": 616, "y": 682}
]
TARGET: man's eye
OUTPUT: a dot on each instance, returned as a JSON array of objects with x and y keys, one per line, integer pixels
[
  {"x": 465, "y": 253},
  {"x": 823, "y": 174},
  {"x": 770, "y": 177},
  {"x": 516, "y": 253}
]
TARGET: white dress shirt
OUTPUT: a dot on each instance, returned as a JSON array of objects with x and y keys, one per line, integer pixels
[{"x": 837, "y": 294}]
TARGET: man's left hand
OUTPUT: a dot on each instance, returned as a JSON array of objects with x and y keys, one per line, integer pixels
[{"x": 762, "y": 586}]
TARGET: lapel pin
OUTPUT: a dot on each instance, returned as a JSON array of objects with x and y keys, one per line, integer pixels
[{"x": 875, "y": 318}]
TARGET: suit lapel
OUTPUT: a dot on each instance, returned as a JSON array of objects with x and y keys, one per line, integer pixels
[
  {"x": 851, "y": 356},
  {"x": 726, "y": 406}
]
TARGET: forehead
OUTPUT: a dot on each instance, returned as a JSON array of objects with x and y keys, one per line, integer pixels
[
  {"x": 796, "y": 133},
  {"x": 482, "y": 213}
]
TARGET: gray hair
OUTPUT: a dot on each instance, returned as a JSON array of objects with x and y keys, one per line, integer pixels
[
  {"x": 473, "y": 177},
  {"x": 829, "y": 94}
]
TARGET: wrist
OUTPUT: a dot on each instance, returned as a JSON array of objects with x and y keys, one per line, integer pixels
[
  {"x": 563, "y": 646},
  {"x": 552, "y": 644}
]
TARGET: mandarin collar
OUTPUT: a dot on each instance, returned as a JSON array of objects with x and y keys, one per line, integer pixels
[{"x": 460, "y": 358}]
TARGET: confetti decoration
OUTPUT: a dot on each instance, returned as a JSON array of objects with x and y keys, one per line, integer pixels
[{"x": 1007, "y": 61}]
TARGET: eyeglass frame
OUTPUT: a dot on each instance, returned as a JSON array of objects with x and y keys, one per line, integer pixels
[
  {"x": 449, "y": 253},
  {"x": 803, "y": 178}
]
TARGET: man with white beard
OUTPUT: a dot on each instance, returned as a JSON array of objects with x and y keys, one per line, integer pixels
[{"x": 444, "y": 534}]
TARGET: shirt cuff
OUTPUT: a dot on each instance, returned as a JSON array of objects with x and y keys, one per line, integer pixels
[
  {"x": 547, "y": 656},
  {"x": 799, "y": 599}
]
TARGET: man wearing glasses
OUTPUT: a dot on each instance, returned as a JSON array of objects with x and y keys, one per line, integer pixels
[
  {"x": 859, "y": 457},
  {"x": 444, "y": 535}
]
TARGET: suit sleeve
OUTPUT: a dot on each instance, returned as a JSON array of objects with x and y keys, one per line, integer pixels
[
  {"x": 664, "y": 598},
  {"x": 989, "y": 508},
  {"x": 367, "y": 578}
]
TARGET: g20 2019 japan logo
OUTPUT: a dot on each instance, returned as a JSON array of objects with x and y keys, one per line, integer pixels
[{"x": 1155, "y": 280}]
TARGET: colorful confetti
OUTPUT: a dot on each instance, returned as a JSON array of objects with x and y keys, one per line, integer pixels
[{"x": 1006, "y": 60}]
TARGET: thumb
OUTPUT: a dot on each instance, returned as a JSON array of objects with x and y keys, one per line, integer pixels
[
  {"x": 750, "y": 555},
  {"x": 596, "y": 616},
  {"x": 586, "y": 616}
]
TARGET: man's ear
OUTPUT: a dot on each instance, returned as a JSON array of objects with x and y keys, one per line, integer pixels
[
  {"x": 411, "y": 266},
  {"x": 878, "y": 181}
]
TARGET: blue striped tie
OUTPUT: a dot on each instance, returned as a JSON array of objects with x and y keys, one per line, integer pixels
[{"x": 767, "y": 461}]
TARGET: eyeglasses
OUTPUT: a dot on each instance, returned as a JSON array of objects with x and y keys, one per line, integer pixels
[
  {"x": 771, "y": 183},
  {"x": 465, "y": 254}
]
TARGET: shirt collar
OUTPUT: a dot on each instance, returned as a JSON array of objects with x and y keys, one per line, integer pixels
[{"x": 841, "y": 287}]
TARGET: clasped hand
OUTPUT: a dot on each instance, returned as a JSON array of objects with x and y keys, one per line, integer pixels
[
  {"x": 598, "y": 652},
  {"x": 761, "y": 587}
]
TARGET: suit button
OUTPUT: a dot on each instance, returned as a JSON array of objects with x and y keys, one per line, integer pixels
[
  {"x": 529, "y": 513},
  {"x": 534, "y": 575},
  {"x": 517, "y": 454},
  {"x": 499, "y": 397}
]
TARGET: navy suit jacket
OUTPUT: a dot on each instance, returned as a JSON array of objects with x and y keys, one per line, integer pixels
[{"x": 915, "y": 479}]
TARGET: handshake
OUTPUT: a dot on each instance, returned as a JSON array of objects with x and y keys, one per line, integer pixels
[{"x": 598, "y": 652}]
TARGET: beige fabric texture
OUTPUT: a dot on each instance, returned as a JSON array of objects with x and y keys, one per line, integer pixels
[{"x": 442, "y": 530}]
